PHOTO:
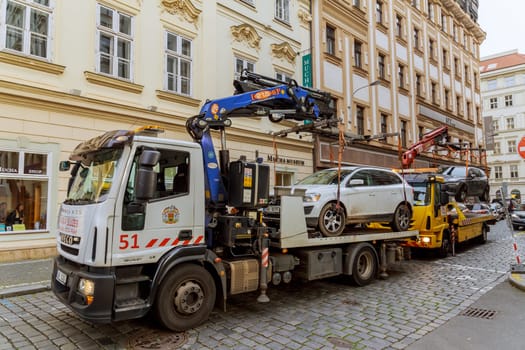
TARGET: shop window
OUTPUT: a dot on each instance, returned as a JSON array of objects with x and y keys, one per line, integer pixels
[{"x": 23, "y": 186}]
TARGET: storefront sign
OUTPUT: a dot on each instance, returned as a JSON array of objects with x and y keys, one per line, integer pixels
[{"x": 288, "y": 161}]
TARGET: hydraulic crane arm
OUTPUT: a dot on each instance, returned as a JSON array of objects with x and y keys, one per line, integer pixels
[
  {"x": 434, "y": 137},
  {"x": 255, "y": 96}
]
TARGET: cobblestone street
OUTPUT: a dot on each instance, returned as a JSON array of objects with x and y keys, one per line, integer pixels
[{"x": 419, "y": 296}]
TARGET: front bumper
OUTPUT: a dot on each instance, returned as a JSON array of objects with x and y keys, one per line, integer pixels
[{"x": 100, "y": 310}]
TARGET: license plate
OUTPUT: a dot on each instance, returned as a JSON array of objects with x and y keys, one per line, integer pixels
[
  {"x": 273, "y": 209},
  {"x": 61, "y": 277}
]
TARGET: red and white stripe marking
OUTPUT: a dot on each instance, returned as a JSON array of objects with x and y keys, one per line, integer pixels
[{"x": 155, "y": 242}]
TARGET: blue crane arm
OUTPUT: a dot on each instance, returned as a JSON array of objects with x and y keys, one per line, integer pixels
[{"x": 255, "y": 96}]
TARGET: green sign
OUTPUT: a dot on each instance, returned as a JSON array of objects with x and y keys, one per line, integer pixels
[{"x": 307, "y": 70}]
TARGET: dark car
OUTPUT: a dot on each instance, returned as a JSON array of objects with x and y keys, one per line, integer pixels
[
  {"x": 518, "y": 217},
  {"x": 463, "y": 182}
]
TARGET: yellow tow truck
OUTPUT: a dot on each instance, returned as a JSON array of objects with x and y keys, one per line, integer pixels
[{"x": 442, "y": 223}]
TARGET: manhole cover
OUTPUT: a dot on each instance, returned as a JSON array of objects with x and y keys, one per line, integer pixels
[
  {"x": 479, "y": 313},
  {"x": 340, "y": 342},
  {"x": 153, "y": 339}
]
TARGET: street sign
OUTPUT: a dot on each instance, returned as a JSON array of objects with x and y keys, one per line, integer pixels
[
  {"x": 521, "y": 147},
  {"x": 307, "y": 70}
]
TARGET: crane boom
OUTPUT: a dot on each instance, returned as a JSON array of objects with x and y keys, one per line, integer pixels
[{"x": 434, "y": 137}]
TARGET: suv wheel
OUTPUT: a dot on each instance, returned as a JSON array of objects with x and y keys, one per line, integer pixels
[
  {"x": 332, "y": 220},
  {"x": 461, "y": 195},
  {"x": 402, "y": 217},
  {"x": 485, "y": 196}
]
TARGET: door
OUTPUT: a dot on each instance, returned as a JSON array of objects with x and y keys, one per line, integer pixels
[{"x": 357, "y": 194}]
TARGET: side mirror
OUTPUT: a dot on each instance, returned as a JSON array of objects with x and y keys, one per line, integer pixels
[
  {"x": 64, "y": 165},
  {"x": 146, "y": 180}
]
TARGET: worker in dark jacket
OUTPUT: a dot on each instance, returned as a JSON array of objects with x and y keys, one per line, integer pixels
[{"x": 16, "y": 216}]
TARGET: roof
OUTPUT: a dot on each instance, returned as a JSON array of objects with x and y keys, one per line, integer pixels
[{"x": 505, "y": 60}]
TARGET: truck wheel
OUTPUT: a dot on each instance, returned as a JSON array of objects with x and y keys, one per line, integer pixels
[
  {"x": 461, "y": 195},
  {"x": 483, "y": 237},
  {"x": 332, "y": 220},
  {"x": 402, "y": 217},
  {"x": 186, "y": 298},
  {"x": 364, "y": 268},
  {"x": 445, "y": 246}
]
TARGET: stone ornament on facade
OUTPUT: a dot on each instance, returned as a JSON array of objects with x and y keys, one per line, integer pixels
[
  {"x": 245, "y": 32},
  {"x": 304, "y": 16},
  {"x": 185, "y": 8},
  {"x": 284, "y": 50}
]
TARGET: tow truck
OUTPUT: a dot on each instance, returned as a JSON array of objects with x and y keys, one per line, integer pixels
[
  {"x": 441, "y": 222},
  {"x": 163, "y": 225}
]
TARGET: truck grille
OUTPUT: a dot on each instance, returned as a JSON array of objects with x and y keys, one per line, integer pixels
[{"x": 69, "y": 250}]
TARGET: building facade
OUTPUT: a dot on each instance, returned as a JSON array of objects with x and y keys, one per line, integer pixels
[
  {"x": 71, "y": 70},
  {"x": 503, "y": 95},
  {"x": 403, "y": 67}
]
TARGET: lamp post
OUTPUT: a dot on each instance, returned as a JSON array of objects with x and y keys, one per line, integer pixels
[{"x": 374, "y": 83}]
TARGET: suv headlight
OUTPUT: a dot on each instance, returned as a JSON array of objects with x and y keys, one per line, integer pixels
[{"x": 314, "y": 197}]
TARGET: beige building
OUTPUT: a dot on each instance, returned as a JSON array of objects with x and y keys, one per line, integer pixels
[
  {"x": 399, "y": 66},
  {"x": 71, "y": 70},
  {"x": 503, "y": 94}
]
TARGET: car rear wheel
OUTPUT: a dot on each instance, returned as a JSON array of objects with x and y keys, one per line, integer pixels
[
  {"x": 332, "y": 220},
  {"x": 402, "y": 217},
  {"x": 461, "y": 195},
  {"x": 485, "y": 196}
]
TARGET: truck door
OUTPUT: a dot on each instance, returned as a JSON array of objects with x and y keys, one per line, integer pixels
[{"x": 146, "y": 229}]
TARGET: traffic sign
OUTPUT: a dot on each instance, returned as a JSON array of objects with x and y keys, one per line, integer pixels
[{"x": 521, "y": 147}]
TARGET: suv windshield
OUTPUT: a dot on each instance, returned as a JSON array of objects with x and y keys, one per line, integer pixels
[
  {"x": 324, "y": 177},
  {"x": 92, "y": 177}
]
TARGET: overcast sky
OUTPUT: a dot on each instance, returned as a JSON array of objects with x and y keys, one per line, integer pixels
[{"x": 502, "y": 20}]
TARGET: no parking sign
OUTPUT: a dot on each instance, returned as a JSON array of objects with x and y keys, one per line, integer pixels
[{"x": 521, "y": 147}]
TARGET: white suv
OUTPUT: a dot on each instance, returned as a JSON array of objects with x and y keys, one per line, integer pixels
[{"x": 367, "y": 194}]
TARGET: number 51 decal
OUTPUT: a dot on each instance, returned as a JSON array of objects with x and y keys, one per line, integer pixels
[{"x": 127, "y": 241}]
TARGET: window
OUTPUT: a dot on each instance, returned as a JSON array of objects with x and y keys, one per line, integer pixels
[
  {"x": 379, "y": 12},
  {"x": 431, "y": 48},
  {"x": 430, "y": 9},
  {"x": 283, "y": 77},
  {"x": 445, "y": 58},
  {"x": 416, "y": 38},
  {"x": 24, "y": 179},
  {"x": 495, "y": 125},
  {"x": 511, "y": 146},
  {"x": 384, "y": 125},
  {"x": 514, "y": 171},
  {"x": 469, "y": 113},
  {"x": 27, "y": 27},
  {"x": 241, "y": 64},
  {"x": 510, "y": 123},
  {"x": 497, "y": 148},
  {"x": 401, "y": 76},
  {"x": 493, "y": 101},
  {"x": 459, "y": 105},
  {"x": 498, "y": 172},
  {"x": 433, "y": 92},
  {"x": 282, "y": 10},
  {"x": 444, "y": 22},
  {"x": 467, "y": 74},
  {"x": 399, "y": 26},
  {"x": 415, "y": 3},
  {"x": 330, "y": 40},
  {"x": 358, "y": 54},
  {"x": 492, "y": 84},
  {"x": 356, "y": 3},
  {"x": 283, "y": 178},
  {"x": 250, "y": 2},
  {"x": 114, "y": 33},
  {"x": 510, "y": 81},
  {"x": 360, "y": 120},
  {"x": 178, "y": 64},
  {"x": 381, "y": 66},
  {"x": 508, "y": 100},
  {"x": 447, "y": 98},
  {"x": 457, "y": 70},
  {"x": 403, "y": 132},
  {"x": 419, "y": 90}
]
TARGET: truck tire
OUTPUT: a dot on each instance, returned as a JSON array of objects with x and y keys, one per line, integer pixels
[
  {"x": 186, "y": 298},
  {"x": 483, "y": 237},
  {"x": 445, "y": 246},
  {"x": 364, "y": 267},
  {"x": 332, "y": 221},
  {"x": 402, "y": 217}
]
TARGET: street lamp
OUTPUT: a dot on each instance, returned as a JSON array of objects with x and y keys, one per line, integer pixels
[{"x": 374, "y": 83}]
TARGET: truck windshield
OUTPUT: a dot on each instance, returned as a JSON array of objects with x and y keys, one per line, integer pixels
[
  {"x": 92, "y": 177},
  {"x": 421, "y": 194}
]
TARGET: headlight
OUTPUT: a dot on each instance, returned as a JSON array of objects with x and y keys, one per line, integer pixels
[
  {"x": 425, "y": 239},
  {"x": 514, "y": 216},
  {"x": 86, "y": 287},
  {"x": 312, "y": 197}
]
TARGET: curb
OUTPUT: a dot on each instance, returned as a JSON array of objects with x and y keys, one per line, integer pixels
[
  {"x": 24, "y": 290},
  {"x": 517, "y": 280}
]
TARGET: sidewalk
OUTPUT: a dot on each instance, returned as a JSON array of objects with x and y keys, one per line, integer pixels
[{"x": 25, "y": 277}]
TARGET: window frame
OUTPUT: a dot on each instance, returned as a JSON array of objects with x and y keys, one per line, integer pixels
[
  {"x": 282, "y": 10},
  {"x": 330, "y": 39},
  {"x": 181, "y": 58},
  {"x": 245, "y": 65},
  {"x": 116, "y": 35},
  {"x": 25, "y": 31}
]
